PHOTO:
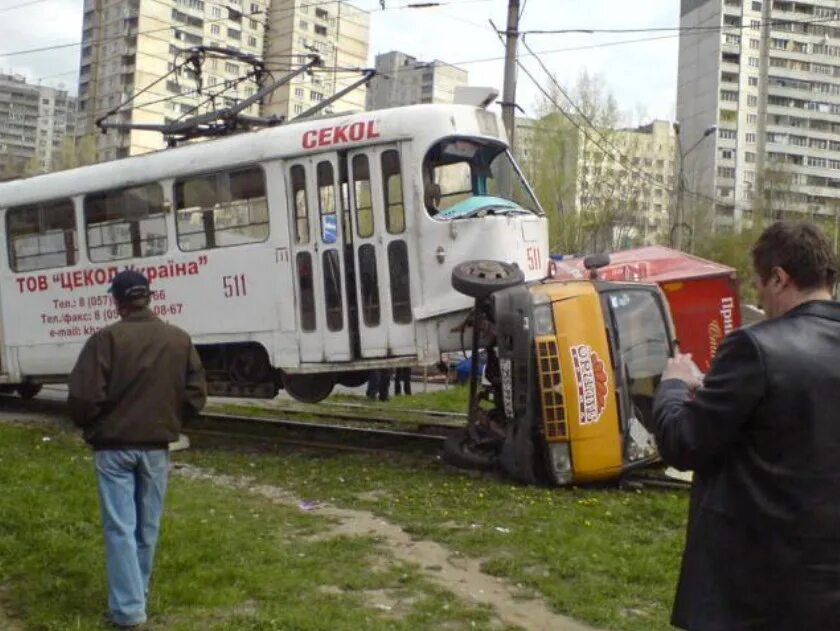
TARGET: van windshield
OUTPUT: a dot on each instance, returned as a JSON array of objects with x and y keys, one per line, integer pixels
[
  {"x": 641, "y": 333},
  {"x": 469, "y": 177}
]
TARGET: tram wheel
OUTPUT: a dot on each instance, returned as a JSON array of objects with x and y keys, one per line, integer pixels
[
  {"x": 479, "y": 279},
  {"x": 28, "y": 390},
  {"x": 460, "y": 450},
  {"x": 309, "y": 388},
  {"x": 353, "y": 378}
]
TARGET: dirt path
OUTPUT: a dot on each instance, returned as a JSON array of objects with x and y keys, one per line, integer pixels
[
  {"x": 459, "y": 575},
  {"x": 7, "y": 623}
]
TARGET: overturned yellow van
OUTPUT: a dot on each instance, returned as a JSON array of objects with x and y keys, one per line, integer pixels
[{"x": 571, "y": 370}]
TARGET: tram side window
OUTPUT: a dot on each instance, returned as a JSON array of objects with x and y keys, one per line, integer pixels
[
  {"x": 400, "y": 288},
  {"x": 326, "y": 202},
  {"x": 125, "y": 223},
  {"x": 299, "y": 202},
  {"x": 306, "y": 287},
  {"x": 219, "y": 210},
  {"x": 41, "y": 235},
  {"x": 392, "y": 187},
  {"x": 370, "y": 285},
  {"x": 332, "y": 290},
  {"x": 362, "y": 196}
]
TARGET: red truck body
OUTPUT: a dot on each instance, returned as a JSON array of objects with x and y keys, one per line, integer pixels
[{"x": 702, "y": 295}]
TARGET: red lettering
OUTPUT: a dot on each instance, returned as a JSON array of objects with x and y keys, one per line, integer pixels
[
  {"x": 88, "y": 276},
  {"x": 325, "y": 137},
  {"x": 181, "y": 269},
  {"x": 151, "y": 274},
  {"x": 357, "y": 131},
  {"x": 371, "y": 130},
  {"x": 192, "y": 268},
  {"x": 66, "y": 280},
  {"x": 100, "y": 276},
  {"x": 31, "y": 284},
  {"x": 340, "y": 134},
  {"x": 20, "y": 282},
  {"x": 42, "y": 283},
  {"x": 310, "y": 139}
]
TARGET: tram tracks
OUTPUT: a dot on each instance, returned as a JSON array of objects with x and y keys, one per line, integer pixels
[
  {"x": 359, "y": 430},
  {"x": 342, "y": 431}
]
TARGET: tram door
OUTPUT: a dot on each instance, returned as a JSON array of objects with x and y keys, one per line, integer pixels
[
  {"x": 319, "y": 268},
  {"x": 380, "y": 252}
]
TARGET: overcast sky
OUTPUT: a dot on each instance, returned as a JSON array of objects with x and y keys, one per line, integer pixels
[{"x": 641, "y": 75}]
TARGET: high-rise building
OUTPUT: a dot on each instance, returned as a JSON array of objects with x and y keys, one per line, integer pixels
[
  {"x": 403, "y": 80},
  {"x": 338, "y": 32},
  {"x": 34, "y": 121},
  {"x": 129, "y": 45},
  {"x": 766, "y": 79}
]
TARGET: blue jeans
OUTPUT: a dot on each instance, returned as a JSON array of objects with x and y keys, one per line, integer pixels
[{"x": 132, "y": 485}]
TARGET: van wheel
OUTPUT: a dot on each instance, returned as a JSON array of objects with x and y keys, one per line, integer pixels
[
  {"x": 28, "y": 390},
  {"x": 479, "y": 279},
  {"x": 309, "y": 388},
  {"x": 459, "y": 450}
]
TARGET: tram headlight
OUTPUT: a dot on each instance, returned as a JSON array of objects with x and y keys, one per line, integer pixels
[
  {"x": 543, "y": 315},
  {"x": 560, "y": 455}
]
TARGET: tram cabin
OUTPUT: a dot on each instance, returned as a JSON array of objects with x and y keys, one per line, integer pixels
[
  {"x": 298, "y": 256},
  {"x": 572, "y": 367}
]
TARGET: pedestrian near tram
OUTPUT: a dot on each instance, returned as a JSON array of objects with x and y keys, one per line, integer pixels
[
  {"x": 132, "y": 385},
  {"x": 402, "y": 381},
  {"x": 761, "y": 432}
]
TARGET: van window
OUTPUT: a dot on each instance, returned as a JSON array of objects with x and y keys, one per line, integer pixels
[
  {"x": 125, "y": 223},
  {"x": 392, "y": 188},
  {"x": 218, "y": 210},
  {"x": 41, "y": 235},
  {"x": 297, "y": 175}
]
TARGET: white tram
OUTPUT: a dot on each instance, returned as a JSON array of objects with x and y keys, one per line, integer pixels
[{"x": 298, "y": 256}]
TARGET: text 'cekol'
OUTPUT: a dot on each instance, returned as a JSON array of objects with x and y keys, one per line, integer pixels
[{"x": 340, "y": 134}]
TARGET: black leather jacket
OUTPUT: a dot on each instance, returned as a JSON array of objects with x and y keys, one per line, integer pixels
[{"x": 763, "y": 437}]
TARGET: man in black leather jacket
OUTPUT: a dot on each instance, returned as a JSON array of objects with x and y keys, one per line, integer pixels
[{"x": 761, "y": 432}]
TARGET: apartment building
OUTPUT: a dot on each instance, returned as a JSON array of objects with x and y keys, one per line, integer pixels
[
  {"x": 404, "y": 80},
  {"x": 339, "y": 32},
  {"x": 34, "y": 121},
  {"x": 629, "y": 174},
  {"x": 769, "y": 81},
  {"x": 128, "y": 46}
]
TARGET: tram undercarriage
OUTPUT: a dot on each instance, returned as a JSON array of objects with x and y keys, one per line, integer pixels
[{"x": 244, "y": 370}]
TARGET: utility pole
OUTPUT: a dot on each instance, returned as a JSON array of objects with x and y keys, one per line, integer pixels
[{"x": 509, "y": 92}]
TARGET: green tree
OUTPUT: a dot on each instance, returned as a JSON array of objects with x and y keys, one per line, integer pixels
[{"x": 590, "y": 195}]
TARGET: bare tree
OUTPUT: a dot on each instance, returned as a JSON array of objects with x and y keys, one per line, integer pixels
[{"x": 581, "y": 172}]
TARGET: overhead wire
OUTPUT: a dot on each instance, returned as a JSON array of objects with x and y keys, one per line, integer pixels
[
  {"x": 612, "y": 151},
  {"x": 20, "y": 6}
]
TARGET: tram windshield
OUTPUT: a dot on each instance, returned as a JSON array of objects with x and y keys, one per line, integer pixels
[{"x": 469, "y": 177}]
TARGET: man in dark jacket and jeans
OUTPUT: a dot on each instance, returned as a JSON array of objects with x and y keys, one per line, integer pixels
[
  {"x": 133, "y": 383},
  {"x": 762, "y": 433}
]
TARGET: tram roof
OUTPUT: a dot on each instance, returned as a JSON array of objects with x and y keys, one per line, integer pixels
[{"x": 429, "y": 121}]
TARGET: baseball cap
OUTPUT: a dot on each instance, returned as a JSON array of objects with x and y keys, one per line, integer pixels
[{"x": 128, "y": 285}]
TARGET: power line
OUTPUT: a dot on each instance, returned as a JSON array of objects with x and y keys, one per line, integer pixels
[
  {"x": 681, "y": 29},
  {"x": 19, "y": 6},
  {"x": 623, "y": 159}
]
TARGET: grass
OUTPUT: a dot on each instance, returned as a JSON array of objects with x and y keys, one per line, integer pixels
[
  {"x": 602, "y": 555},
  {"x": 227, "y": 560},
  {"x": 234, "y": 561}
]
